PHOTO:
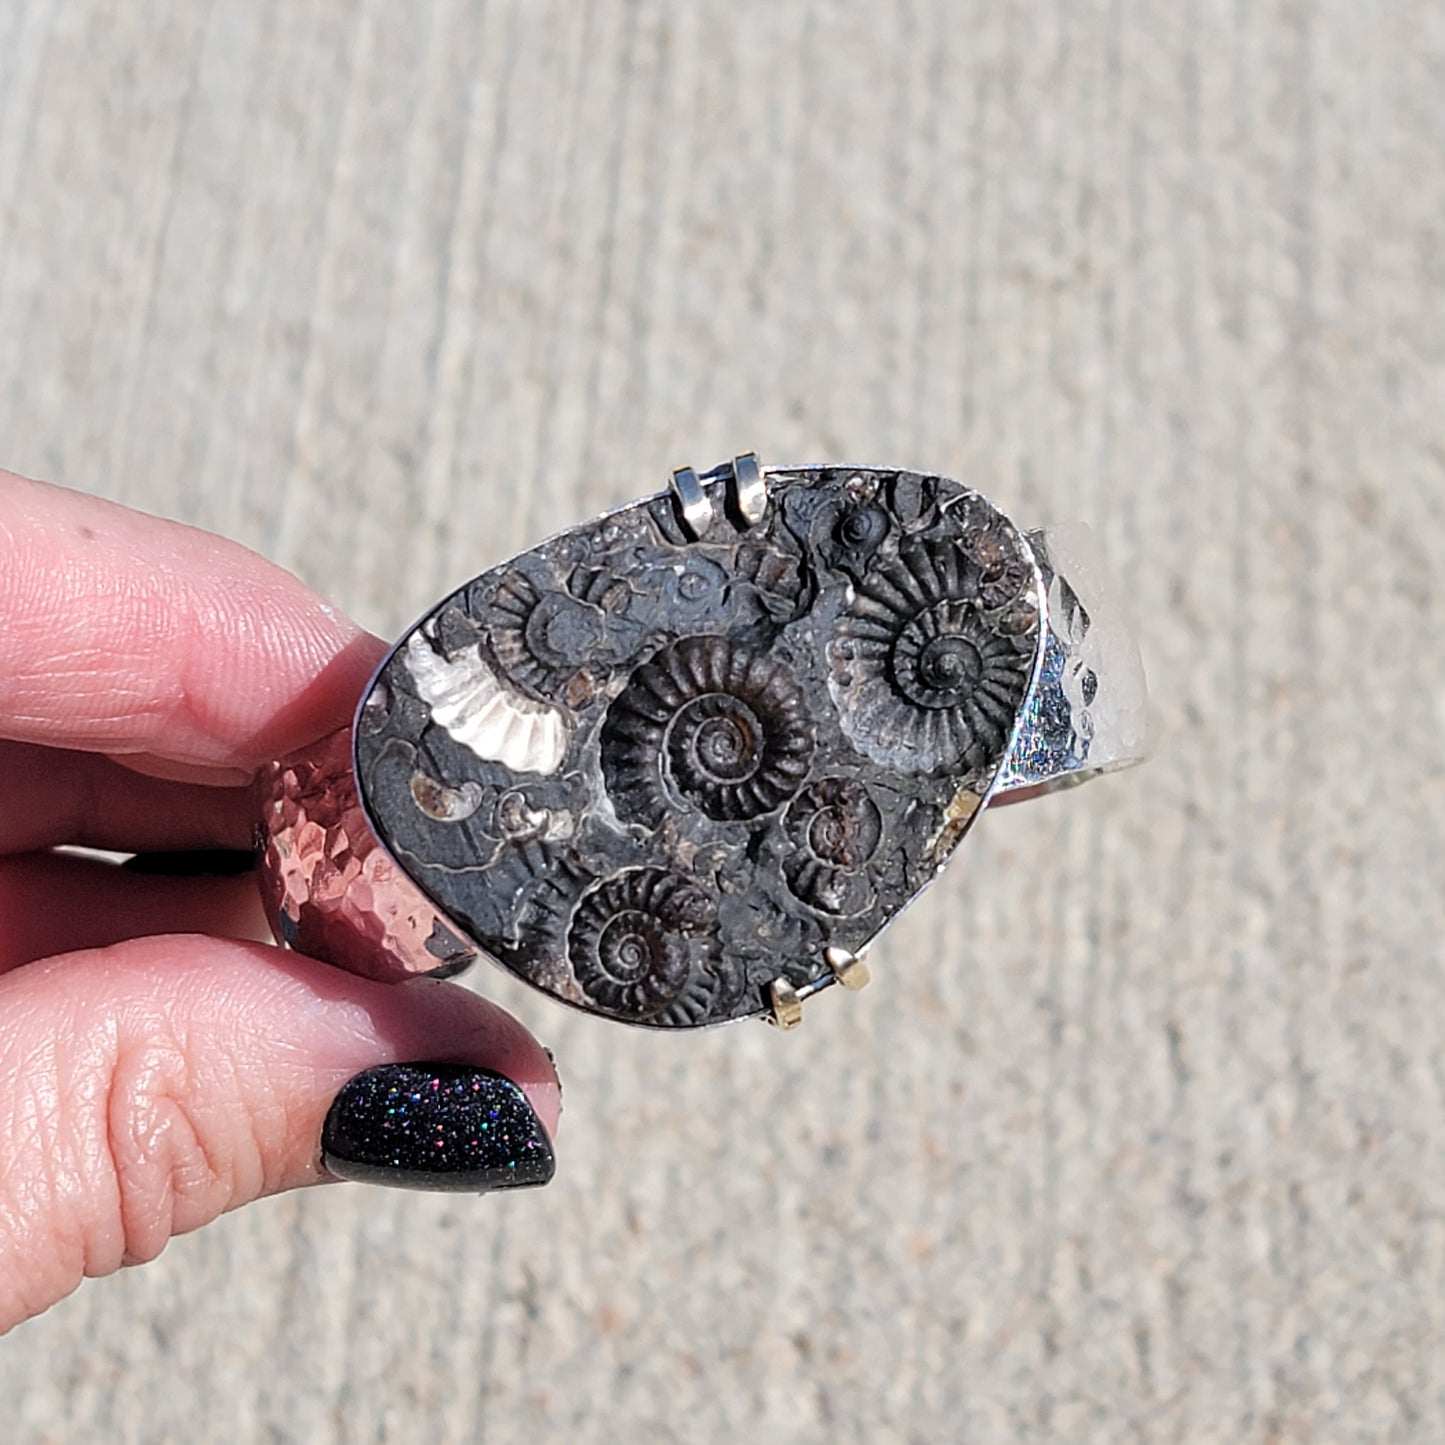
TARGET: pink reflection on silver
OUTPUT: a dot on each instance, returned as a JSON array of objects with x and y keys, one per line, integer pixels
[{"x": 329, "y": 888}]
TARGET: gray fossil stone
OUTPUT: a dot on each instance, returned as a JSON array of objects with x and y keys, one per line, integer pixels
[{"x": 651, "y": 773}]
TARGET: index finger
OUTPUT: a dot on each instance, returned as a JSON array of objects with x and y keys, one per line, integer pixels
[{"x": 130, "y": 635}]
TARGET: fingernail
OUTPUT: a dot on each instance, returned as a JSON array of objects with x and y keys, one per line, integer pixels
[
  {"x": 195, "y": 863},
  {"x": 436, "y": 1126},
  {"x": 556, "y": 1074}
]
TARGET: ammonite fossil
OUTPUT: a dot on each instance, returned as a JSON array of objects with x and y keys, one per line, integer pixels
[
  {"x": 924, "y": 677},
  {"x": 835, "y": 830},
  {"x": 644, "y": 945},
  {"x": 542, "y": 641},
  {"x": 682, "y": 763},
  {"x": 707, "y": 722}
]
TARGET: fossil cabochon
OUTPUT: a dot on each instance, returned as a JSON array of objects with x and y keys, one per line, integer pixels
[{"x": 651, "y": 774}]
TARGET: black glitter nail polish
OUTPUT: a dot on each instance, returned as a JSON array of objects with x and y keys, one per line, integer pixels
[{"x": 436, "y": 1126}]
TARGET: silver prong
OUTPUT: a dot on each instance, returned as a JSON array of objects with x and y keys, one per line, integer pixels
[
  {"x": 752, "y": 490},
  {"x": 695, "y": 504}
]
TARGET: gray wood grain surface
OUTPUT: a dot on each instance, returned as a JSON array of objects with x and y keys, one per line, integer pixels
[{"x": 1138, "y": 1135}]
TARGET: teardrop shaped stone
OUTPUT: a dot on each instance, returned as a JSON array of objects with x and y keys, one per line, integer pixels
[{"x": 650, "y": 773}]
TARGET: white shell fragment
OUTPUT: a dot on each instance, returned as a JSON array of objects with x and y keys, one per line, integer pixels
[{"x": 479, "y": 711}]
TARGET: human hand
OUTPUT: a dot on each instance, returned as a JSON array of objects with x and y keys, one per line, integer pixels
[{"x": 158, "y": 1065}]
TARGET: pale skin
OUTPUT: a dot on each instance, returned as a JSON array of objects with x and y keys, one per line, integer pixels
[{"x": 160, "y": 1066}]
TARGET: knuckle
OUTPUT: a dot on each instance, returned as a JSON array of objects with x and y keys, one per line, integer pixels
[
  {"x": 168, "y": 1173},
  {"x": 128, "y": 1123}
]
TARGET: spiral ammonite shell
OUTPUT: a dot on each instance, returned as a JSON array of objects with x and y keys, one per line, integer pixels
[
  {"x": 540, "y": 640},
  {"x": 644, "y": 945},
  {"x": 1003, "y": 570},
  {"x": 712, "y": 722},
  {"x": 924, "y": 676},
  {"x": 835, "y": 828}
]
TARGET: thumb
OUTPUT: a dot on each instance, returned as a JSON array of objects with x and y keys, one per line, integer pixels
[{"x": 149, "y": 1087}]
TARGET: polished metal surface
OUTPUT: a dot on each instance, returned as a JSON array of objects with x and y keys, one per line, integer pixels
[
  {"x": 1088, "y": 713},
  {"x": 329, "y": 888},
  {"x": 695, "y": 504},
  {"x": 751, "y": 488}
]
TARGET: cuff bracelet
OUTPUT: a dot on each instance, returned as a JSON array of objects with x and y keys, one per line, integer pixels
[{"x": 683, "y": 763}]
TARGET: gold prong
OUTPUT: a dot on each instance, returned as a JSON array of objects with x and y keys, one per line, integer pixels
[
  {"x": 848, "y": 968},
  {"x": 787, "y": 1006}
]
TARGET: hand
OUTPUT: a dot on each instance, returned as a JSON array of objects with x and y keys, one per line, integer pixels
[{"x": 158, "y": 1066}]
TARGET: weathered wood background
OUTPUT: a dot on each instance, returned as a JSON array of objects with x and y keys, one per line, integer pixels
[{"x": 1138, "y": 1135}]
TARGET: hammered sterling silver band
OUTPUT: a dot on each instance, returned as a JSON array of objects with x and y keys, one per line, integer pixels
[{"x": 683, "y": 763}]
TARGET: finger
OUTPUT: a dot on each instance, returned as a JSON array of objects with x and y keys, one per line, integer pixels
[
  {"x": 210, "y": 775},
  {"x": 126, "y": 634},
  {"x": 53, "y": 796},
  {"x": 1010, "y": 796},
  {"x": 59, "y": 902},
  {"x": 153, "y": 1086}
]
